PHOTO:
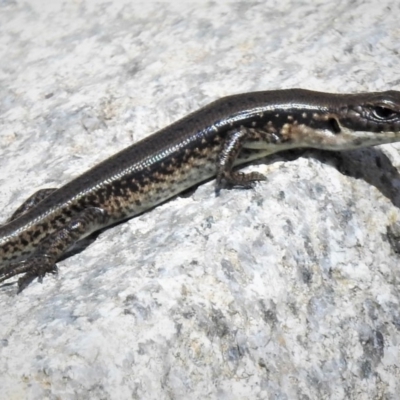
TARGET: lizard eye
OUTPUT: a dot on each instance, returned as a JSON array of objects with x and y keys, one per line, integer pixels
[{"x": 384, "y": 113}]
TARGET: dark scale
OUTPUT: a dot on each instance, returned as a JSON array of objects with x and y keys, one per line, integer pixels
[{"x": 207, "y": 143}]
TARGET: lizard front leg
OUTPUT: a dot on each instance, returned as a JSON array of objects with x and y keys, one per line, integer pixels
[{"x": 233, "y": 145}]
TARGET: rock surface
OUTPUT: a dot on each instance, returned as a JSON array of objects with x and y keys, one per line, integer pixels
[{"x": 287, "y": 291}]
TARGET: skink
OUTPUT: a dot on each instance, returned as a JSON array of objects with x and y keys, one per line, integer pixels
[{"x": 207, "y": 143}]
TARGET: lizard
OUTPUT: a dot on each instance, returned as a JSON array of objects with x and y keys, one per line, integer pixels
[{"x": 210, "y": 142}]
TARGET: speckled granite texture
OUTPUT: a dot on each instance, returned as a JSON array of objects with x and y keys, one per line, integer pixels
[{"x": 287, "y": 291}]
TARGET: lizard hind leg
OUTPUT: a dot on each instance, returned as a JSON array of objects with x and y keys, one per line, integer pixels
[
  {"x": 31, "y": 202},
  {"x": 52, "y": 248},
  {"x": 36, "y": 266}
]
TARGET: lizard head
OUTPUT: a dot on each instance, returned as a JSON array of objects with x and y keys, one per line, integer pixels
[
  {"x": 370, "y": 119},
  {"x": 347, "y": 121}
]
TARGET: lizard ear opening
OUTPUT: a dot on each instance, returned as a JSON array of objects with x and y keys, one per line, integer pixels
[{"x": 335, "y": 126}]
